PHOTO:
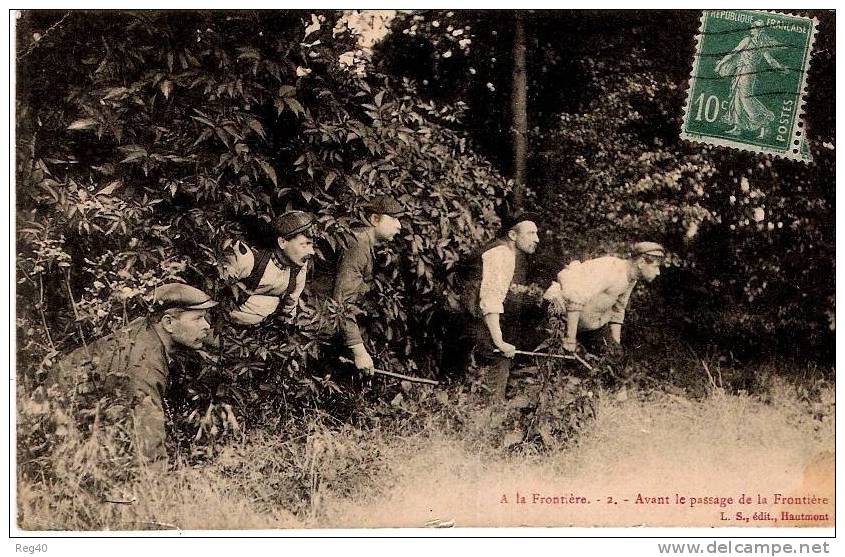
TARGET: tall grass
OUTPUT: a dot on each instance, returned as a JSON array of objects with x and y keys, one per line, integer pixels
[{"x": 440, "y": 458}]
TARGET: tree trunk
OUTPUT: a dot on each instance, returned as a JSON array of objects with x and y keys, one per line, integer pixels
[{"x": 519, "y": 127}]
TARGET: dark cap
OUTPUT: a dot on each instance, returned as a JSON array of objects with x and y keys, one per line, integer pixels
[
  {"x": 175, "y": 295},
  {"x": 511, "y": 220},
  {"x": 289, "y": 224},
  {"x": 385, "y": 205},
  {"x": 652, "y": 249}
]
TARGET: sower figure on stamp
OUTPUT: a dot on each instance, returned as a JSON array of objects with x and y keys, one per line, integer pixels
[
  {"x": 491, "y": 272},
  {"x": 743, "y": 64},
  {"x": 135, "y": 361},
  {"x": 274, "y": 278},
  {"x": 355, "y": 270},
  {"x": 594, "y": 295}
]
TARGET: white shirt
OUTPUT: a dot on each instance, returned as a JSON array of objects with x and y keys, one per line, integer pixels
[
  {"x": 598, "y": 288},
  {"x": 272, "y": 285},
  {"x": 497, "y": 268}
]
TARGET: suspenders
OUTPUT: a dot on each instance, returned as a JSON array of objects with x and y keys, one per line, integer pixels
[{"x": 262, "y": 259}]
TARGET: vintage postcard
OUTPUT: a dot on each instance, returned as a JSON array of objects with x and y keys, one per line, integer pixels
[{"x": 428, "y": 269}]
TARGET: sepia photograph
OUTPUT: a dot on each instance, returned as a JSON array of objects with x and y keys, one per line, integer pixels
[{"x": 320, "y": 269}]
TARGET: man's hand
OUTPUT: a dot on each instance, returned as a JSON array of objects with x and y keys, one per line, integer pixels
[
  {"x": 508, "y": 350},
  {"x": 570, "y": 344},
  {"x": 363, "y": 360},
  {"x": 492, "y": 321}
]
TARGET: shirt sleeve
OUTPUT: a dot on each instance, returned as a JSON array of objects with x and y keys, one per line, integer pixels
[
  {"x": 617, "y": 312},
  {"x": 292, "y": 301},
  {"x": 497, "y": 267},
  {"x": 148, "y": 370},
  {"x": 239, "y": 263},
  {"x": 348, "y": 284}
]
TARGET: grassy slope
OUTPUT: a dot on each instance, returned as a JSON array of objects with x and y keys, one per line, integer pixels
[{"x": 724, "y": 446}]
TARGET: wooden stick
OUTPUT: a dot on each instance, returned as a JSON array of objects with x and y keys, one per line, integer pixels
[
  {"x": 544, "y": 354},
  {"x": 575, "y": 357},
  {"x": 407, "y": 377},
  {"x": 397, "y": 375}
]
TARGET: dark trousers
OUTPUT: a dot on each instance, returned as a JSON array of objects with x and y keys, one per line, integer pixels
[
  {"x": 494, "y": 369},
  {"x": 598, "y": 341}
]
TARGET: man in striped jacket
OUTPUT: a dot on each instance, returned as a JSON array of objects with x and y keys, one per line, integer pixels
[{"x": 273, "y": 278}]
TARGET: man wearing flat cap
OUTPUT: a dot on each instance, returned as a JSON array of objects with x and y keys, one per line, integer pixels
[
  {"x": 355, "y": 269},
  {"x": 273, "y": 278},
  {"x": 594, "y": 294},
  {"x": 135, "y": 360},
  {"x": 491, "y": 273}
]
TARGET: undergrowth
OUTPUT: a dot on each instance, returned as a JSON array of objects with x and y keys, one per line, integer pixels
[{"x": 294, "y": 474}]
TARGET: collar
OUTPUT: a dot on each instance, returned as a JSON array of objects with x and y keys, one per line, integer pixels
[
  {"x": 164, "y": 348},
  {"x": 282, "y": 260},
  {"x": 366, "y": 235},
  {"x": 371, "y": 239}
]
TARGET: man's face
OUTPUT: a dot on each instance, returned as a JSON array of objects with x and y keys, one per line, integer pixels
[
  {"x": 525, "y": 236},
  {"x": 649, "y": 268},
  {"x": 187, "y": 328},
  {"x": 299, "y": 249},
  {"x": 386, "y": 227}
]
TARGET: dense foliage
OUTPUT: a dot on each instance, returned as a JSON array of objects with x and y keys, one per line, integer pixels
[{"x": 147, "y": 140}]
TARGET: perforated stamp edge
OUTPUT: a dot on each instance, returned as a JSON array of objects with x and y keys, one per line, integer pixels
[{"x": 798, "y": 134}]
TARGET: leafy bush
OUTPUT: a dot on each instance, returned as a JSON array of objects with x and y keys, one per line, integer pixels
[{"x": 147, "y": 139}]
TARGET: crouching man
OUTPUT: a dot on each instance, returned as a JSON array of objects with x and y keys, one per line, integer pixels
[
  {"x": 594, "y": 294},
  {"x": 273, "y": 278},
  {"x": 135, "y": 360},
  {"x": 354, "y": 275},
  {"x": 491, "y": 273}
]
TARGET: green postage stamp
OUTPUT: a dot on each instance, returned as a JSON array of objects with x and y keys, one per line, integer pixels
[{"x": 748, "y": 79}]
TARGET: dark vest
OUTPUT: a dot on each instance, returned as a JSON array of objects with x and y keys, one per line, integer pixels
[{"x": 470, "y": 274}]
